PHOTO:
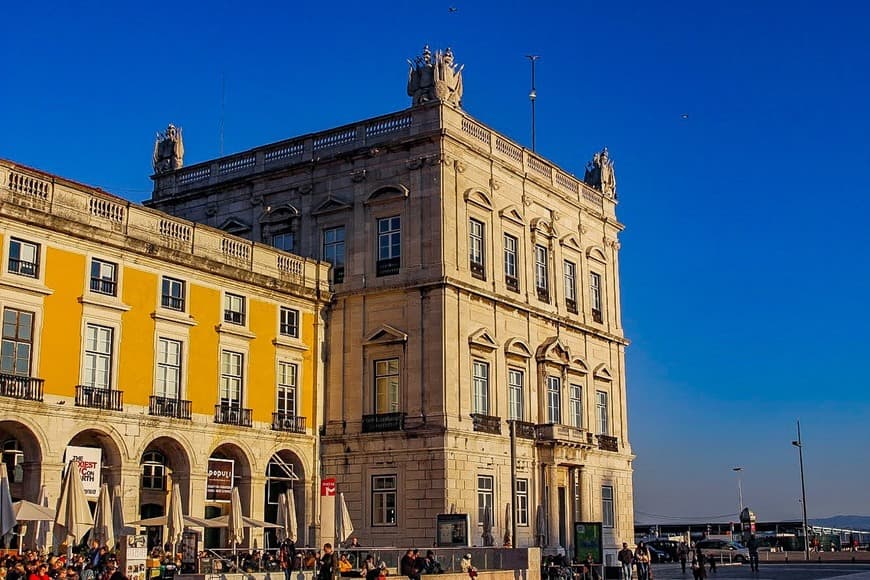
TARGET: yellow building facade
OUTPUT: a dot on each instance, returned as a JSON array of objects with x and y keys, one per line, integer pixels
[{"x": 165, "y": 348}]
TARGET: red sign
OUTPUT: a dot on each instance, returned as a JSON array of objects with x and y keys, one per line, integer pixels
[{"x": 327, "y": 487}]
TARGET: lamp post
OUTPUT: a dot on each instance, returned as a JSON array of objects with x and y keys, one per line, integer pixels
[
  {"x": 800, "y": 447},
  {"x": 739, "y": 490},
  {"x": 533, "y": 94}
]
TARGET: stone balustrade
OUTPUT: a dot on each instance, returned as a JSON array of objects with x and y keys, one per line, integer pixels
[{"x": 33, "y": 190}]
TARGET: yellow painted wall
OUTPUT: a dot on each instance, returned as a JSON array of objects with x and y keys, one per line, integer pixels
[
  {"x": 137, "y": 351},
  {"x": 263, "y": 321},
  {"x": 204, "y": 357},
  {"x": 61, "y": 341}
]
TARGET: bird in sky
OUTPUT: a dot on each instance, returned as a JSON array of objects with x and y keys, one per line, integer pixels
[{"x": 452, "y": 9}]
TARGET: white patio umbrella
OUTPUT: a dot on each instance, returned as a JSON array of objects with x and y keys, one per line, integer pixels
[
  {"x": 43, "y": 527},
  {"x": 507, "y": 525},
  {"x": 343, "y": 523},
  {"x": 104, "y": 528},
  {"x": 282, "y": 533},
  {"x": 27, "y": 511},
  {"x": 7, "y": 515},
  {"x": 292, "y": 530},
  {"x": 72, "y": 516},
  {"x": 175, "y": 519},
  {"x": 487, "y": 526},
  {"x": 235, "y": 525}
]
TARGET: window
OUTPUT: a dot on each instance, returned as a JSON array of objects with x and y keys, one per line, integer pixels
[
  {"x": 104, "y": 277},
  {"x": 601, "y": 407},
  {"x": 522, "y": 502},
  {"x": 389, "y": 245},
  {"x": 98, "y": 356},
  {"x": 485, "y": 491},
  {"x": 571, "y": 286},
  {"x": 333, "y": 251},
  {"x": 13, "y": 456},
  {"x": 516, "y": 378},
  {"x": 168, "y": 368},
  {"x": 17, "y": 345},
  {"x": 554, "y": 399},
  {"x": 607, "y": 506},
  {"x": 232, "y": 364},
  {"x": 284, "y": 241},
  {"x": 234, "y": 309},
  {"x": 384, "y": 500},
  {"x": 542, "y": 276},
  {"x": 387, "y": 386},
  {"x": 576, "y": 400},
  {"x": 23, "y": 258},
  {"x": 511, "y": 279},
  {"x": 480, "y": 378},
  {"x": 287, "y": 373},
  {"x": 595, "y": 296},
  {"x": 153, "y": 471},
  {"x": 172, "y": 294},
  {"x": 289, "y": 322},
  {"x": 476, "y": 252}
]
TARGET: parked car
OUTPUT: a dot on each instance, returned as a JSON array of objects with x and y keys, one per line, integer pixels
[
  {"x": 723, "y": 550},
  {"x": 656, "y": 555},
  {"x": 669, "y": 547}
]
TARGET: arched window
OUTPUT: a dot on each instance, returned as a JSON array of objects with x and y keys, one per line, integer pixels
[{"x": 153, "y": 470}]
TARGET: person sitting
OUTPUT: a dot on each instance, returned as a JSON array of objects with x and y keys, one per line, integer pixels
[{"x": 431, "y": 565}]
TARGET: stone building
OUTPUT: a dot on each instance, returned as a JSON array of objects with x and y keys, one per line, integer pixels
[
  {"x": 476, "y": 286},
  {"x": 158, "y": 345}
]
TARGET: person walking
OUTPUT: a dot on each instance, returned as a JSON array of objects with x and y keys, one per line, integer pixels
[
  {"x": 641, "y": 560},
  {"x": 626, "y": 558},
  {"x": 683, "y": 555},
  {"x": 328, "y": 563},
  {"x": 752, "y": 545},
  {"x": 699, "y": 572}
]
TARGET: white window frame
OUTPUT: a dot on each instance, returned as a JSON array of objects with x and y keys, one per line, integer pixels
[
  {"x": 385, "y": 500},
  {"x": 331, "y": 245},
  {"x": 231, "y": 388},
  {"x": 485, "y": 497},
  {"x": 554, "y": 399},
  {"x": 576, "y": 404},
  {"x": 288, "y": 323},
  {"x": 387, "y": 385},
  {"x": 153, "y": 470},
  {"x": 280, "y": 241},
  {"x": 36, "y": 263},
  {"x": 511, "y": 256},
  {"x": 542, "y": 268},
  {"x": 390, "y": 229},
  {"x": 480, "y": 391},
  {"x": 595, "y": 293},
  {"x": 169, "y": 287},
  {"x": 235, "y": 309},
  {"x": 166, "y": 367},
  {"x": 103, "y": 278},
  {"x": 11, "y": 354},
  {"x": 522, "y": 501},
  {"x": 96, "y": 355},
  {"x": 476, "y": 242},
  {"x": 602, "y": 407},
  {"x": 287, "y": 389},
  {"x": 570, "y": 271},
  {"x": 607, "y": 506},
  {"x": 516, "y": 385}
]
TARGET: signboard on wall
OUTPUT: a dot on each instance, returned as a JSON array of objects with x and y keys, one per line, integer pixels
[
  {"x": 588, "y": 540},
  {"x": 453, "y": 530},
  {"x": 219, "y": 483},
  {"x": 90, "y": 463},
  {"x": 327, "y": 487}
]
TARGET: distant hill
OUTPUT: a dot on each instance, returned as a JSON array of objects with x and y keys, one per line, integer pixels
[{"x": 847, "y": 522}]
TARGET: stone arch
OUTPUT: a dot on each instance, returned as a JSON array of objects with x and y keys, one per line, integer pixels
[
  {"x": 243, "y": 464},
  {"x": 25, "y": 464},
  {"x": 178, "y": 469},
  {"x": 285, "y": 471},
  {"x": 115, "y": 452}
]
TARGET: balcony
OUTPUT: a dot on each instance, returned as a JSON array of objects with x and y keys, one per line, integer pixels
[
  {"x": 389, "y": 266},
  {"x": 99, "y": 398},
  {"x": 486, "y": 423},
  {"x": 564, "y": 434},
  {"x": 17, "y": 387},
  {"x": 571, "y": 305},
  {"x": 608, "y": 443},
  {"x": 512, "y": 283},
  {"x": 337, "y": 274},
  {"x": 232, "y": 415},
  {"x": 524, "y": 429},
  {"x": 169, "y": 407},
  {"x": 104, "y": 286},
  {"x": 23, "y": 267},
  {"x": 288, "y": 422},
  {"x": 383, "y": 422},
  {"x": 543, "y": 294}
]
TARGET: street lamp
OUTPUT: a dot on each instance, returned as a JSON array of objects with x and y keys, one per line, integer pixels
[
  {"x": 800, "y": 448},
  {"x": 739, "y": 489}
]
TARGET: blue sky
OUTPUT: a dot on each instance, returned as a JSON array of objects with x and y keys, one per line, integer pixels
[{"x": 742, "y": 271}]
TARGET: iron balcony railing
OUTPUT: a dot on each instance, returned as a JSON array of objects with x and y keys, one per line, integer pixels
[
  {"x": 383, "y": 422},
  {"x": 478, "y": 270},
  {"x": 388, "y": 267},
  {"x": 608, "y": 443},
  {"x": 486, "y": 423},
  {"x": 18, "y": 387},
  {"x": 288, "y": 422},
  {"x": 512, "y": 283},
  {"x": 524, "y": 429},
  {"x": 99, "y": 398},
  {"x": 169, "y": 407},
  {"x": 232, "y": 415}
]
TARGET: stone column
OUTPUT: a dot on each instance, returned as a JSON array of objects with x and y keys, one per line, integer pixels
[
  {"x": 257, "y": 510},
  {"x": 585, "y": 499},
  {"x": 552, "y": 506}
]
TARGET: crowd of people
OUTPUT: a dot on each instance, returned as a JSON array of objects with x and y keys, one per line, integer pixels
[{"x": 96, "y": 563}]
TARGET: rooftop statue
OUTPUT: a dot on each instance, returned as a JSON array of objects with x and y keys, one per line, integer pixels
[
  {"x": 600, "y": 175},
  {"x": 435, "y": 79},
  {"x": 168, "y": 150}
]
